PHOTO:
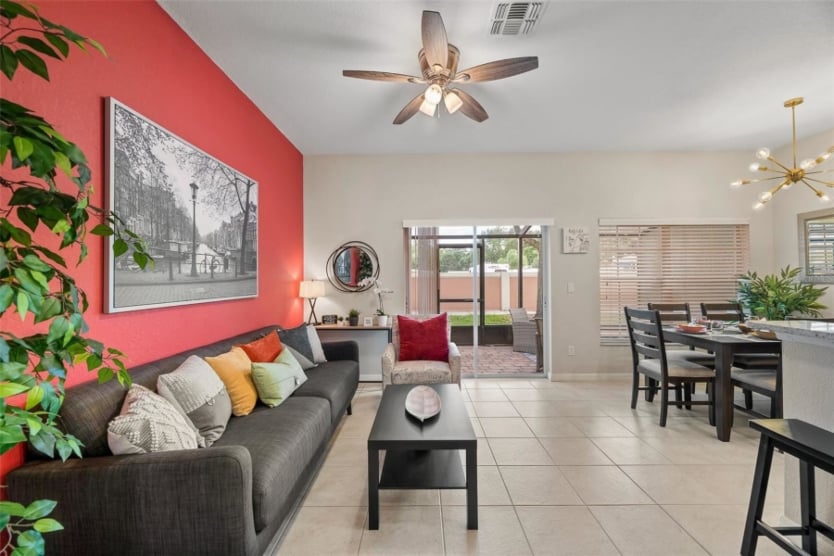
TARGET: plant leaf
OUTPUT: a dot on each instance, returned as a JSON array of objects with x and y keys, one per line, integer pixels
[
  {"x": 22, "y": 304},
  {"x": 33, "y": 63},
  {"x": 8, "y": 61},
  {"x": 102, "y": 230},
  {"x": 119, "y": 247},
  {"x": 58, "y": 42},
  {"x": 29, "y": 217},
  {"x": 23, "y": 147},
  {"x": 12, "y": 508},
  {"x": 62, "y": 162},
  {"x": 39, "y": 46},
  {"x": 9, "y": 389},
  {"x": 47, "y": 525}
]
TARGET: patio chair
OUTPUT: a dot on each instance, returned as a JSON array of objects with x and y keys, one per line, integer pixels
[
  {"x": 395, "y": 371},
  {"x": 524, "y": 331},
  {"x": 645, "y": 333}
]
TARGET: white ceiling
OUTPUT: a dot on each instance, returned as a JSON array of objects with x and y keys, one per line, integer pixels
[{"x": 613, "y": 76}]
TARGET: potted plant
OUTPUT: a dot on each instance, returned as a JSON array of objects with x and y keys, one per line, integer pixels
[
  {"x": 775, "y": 297},
  {"x": 47, "y": 212},
  {"x": 353, "y": 317}
]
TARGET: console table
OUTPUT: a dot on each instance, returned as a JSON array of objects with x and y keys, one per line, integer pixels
[{"x": 371, "y": 340}]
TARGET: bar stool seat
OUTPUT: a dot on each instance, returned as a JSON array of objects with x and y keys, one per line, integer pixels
[{"x": 814, "y": 448}]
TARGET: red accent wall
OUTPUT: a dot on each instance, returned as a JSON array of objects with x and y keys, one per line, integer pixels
[{"x": 156, "y": 69}]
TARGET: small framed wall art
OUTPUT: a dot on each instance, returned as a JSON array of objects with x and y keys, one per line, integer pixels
[
  {"x": 368, "y": 321},
  {"x": 575, "y": 239}
]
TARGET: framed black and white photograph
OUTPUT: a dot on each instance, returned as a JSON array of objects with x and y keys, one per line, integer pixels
[
  {"x": 197, "y": 216},
  {"x": 368, "y": 321}
]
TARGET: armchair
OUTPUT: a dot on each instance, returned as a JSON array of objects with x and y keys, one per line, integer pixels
[
  {"x": 395, "y": 371},
  {"x": 524, "y": 331}
]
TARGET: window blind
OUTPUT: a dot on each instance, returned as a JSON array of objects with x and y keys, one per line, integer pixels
[
  {"x": 820, "y": 247},
  {"x": 657, "y": 263}
]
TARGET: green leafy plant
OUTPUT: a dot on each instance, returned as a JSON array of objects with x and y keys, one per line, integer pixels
[
  {"x": 353, "y": 313},
  {"x": 775, "y": 296},
  {"x": 38, "y": 223}
]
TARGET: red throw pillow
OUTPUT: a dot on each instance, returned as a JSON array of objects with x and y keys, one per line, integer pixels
[
  {"x": 423, "y": 340},
  {"x": 263, "y": 350}
]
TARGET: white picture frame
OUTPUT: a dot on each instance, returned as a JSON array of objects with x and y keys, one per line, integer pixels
[
  {"x": 575, "y": 239},
  {"x": 368, "y": 321},
  {"x": 203, "y": 238}
]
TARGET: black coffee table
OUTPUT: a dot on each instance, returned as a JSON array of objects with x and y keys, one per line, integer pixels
[{"x": 422, "y": 455}]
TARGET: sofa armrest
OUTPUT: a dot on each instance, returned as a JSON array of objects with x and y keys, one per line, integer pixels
[
  {"x": 341, "y": 351},
  {"x": 179, "y": 502},
  {"x": 454, "y": 362},
  {"x": 389, "y": 358}
]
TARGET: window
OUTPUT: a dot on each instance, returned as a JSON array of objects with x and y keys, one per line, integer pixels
[
  {"x": 816, "y": 244},
  {"x": 666, "y": 263}
]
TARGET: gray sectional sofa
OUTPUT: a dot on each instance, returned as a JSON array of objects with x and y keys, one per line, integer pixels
[{"x": 229, "y": 499}]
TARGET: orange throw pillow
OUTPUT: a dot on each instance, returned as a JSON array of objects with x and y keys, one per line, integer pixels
[
  {"x": 263, "y": 350},
  {"x": 235, "y": 370}
]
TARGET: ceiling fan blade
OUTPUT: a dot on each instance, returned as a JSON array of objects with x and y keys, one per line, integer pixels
[
  {"x": 410, "y": 109},
  {"x": 435, "y": 44},
  {"x": 498, "y": 69},
  {"x": 382, "y": 76},
  {"x": 471, "y": 108}
]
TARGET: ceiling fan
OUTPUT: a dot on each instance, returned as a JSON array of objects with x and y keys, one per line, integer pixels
[{"x": 439, "y": 66}]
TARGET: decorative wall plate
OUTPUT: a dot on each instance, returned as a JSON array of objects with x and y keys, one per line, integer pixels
[{"x": 422, "y": 402}]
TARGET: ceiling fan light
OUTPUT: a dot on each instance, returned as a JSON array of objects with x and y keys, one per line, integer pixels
[
  {"x": 433, "y": 94},
  {"x": 428, "y": 108},
  {"x": 452, "y": 102}
]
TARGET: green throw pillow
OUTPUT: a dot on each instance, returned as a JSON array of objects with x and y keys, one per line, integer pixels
[{"x": 277, "y": 380}]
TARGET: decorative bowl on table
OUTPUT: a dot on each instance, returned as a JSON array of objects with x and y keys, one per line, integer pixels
[
  {"x": 744, "y": 328},
  {"x": 691, "y": 328},
  {"x": 422, "y": 402}
]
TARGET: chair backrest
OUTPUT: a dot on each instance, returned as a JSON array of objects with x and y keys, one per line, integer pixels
[
  {"x": 519, "y": 315},
  {"x": 395, "y": 329},
  {"x": 727, "y": 311},
  {"x": 672, "y": 312},
  {"x": 645, "y": 331}
]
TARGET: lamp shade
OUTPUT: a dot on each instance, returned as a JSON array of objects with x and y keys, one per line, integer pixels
[{"x": 311, "y": 289}]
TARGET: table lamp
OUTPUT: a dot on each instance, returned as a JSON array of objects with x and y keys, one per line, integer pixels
[{"x": 311, "y": 290}]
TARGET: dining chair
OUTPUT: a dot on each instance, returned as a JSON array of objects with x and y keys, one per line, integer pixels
[
  {"x": 679, "y": 313},
  {"x": 751, "y": 372},
  {"x": 648, "y": 354}
]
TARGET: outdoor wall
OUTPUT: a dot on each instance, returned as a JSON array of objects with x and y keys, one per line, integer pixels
[
  {"x": 367, "y": 198},
  {"x": 458, "y": 285},
  {"x": 786, "y": 205}
]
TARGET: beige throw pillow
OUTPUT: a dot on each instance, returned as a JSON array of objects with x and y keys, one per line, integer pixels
[
  {"x": 196, "y": 389},
  {"x": 149, "y": 423}
]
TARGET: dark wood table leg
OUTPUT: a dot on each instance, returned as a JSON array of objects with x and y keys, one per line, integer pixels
[
  {"x": 472, "y": 487},
  {"x": 807, "y": 506},
  {"x": 723, "y": 393},
  {"x": 373, "y": 489}
]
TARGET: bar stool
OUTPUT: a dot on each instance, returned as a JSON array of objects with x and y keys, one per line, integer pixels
[{"x": 814, "y": 447}]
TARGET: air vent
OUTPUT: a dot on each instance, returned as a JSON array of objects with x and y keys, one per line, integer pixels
[{"x": 515, "y": 18}]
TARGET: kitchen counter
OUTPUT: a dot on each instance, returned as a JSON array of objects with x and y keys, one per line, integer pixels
[{"x": 808, "y": 394}]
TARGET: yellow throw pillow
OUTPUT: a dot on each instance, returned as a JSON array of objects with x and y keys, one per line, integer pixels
[{"x": 235, "y": 370}]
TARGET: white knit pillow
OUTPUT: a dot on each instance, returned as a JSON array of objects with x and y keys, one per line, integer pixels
[{"x": 150, "y": 423}]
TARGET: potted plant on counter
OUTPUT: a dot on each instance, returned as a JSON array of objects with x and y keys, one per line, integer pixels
[
  {"x": 775, "y": 297},
  {"x": 353, "y": 317}
]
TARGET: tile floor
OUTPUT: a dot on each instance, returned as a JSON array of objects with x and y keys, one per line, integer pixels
[{"x": 564, "y": 468}]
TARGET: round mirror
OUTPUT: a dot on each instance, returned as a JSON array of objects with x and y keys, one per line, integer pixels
[{"x": 350, "y": 264}]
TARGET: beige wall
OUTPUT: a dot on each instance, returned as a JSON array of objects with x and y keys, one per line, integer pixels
[{"x": 367, "y": 198}]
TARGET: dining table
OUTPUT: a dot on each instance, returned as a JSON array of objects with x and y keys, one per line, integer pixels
[{"x": 725, "y": 344}]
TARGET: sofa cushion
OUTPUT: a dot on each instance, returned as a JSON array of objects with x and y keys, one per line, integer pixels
[
  {"x": 276, "y": 381},
  {"x": 299, "y": 339},
  {"x": 282, "y": 442},
  {"x": 423, "y": 340},
  {"x": 315, "y": 345},
  {"x": 335, "y": 381},
  {"x": 235, "y": 370},
  {"x": 264, "y": 349},
  {"x": 196, "y": 389},
  {"x": 150, "y": 423},
  {"x": 303, "y": 361}
]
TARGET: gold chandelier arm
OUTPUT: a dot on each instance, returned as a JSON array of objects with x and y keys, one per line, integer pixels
[
  {"x": 779, "y": 164},
  {"x": 820, "y": 171},
  {"x": 827, "y": 183},
  {"x": 814, "y": 189}
]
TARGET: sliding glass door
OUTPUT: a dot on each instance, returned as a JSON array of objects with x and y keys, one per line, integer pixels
[{"x": 487, "y": 278}]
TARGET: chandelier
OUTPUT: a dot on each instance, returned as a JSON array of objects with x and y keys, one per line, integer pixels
[{"x": 789, "y": 176}]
